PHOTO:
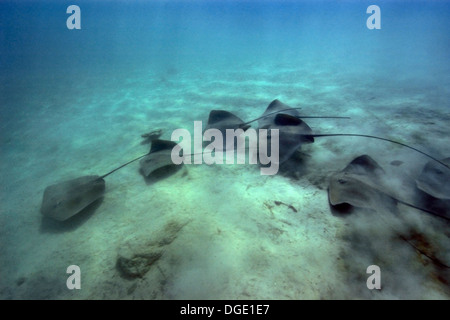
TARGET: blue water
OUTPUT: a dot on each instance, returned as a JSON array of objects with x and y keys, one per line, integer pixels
[
  {"x": 117, "y": 39},
  {"x": 136, "y": 65},
  {"x": 117, "y": 35}
]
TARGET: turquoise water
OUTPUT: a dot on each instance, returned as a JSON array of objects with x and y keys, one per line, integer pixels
[{"x": 75, "y": 102}]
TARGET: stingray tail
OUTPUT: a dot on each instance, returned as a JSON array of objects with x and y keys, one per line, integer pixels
[
  {"x": 423, "y": 209},
  {"x": 123, "y": 165},
  {"x": 379, "y": 138}
]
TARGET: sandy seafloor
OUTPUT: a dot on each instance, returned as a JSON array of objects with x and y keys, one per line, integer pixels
[
  {"x": 219, "y": 230},
  {"x": 236, "y": 243}
]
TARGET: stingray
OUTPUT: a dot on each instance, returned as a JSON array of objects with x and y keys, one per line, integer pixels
[
  {"x": 223, "y": 120},
  {"x": 360, "y": 184},
  {"x": 293, "y": 133},
  {"x": 433, "y": 187},
  {"x": 158, "y": 158},
  {"x": 435, "y": 180},
  {"x": 65, "y": 199}
]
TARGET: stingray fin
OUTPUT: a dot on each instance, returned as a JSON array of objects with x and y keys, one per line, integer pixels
[{"x": 158, "y": 145}]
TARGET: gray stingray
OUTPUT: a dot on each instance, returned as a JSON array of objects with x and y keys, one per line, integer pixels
[
  {"x": 66, "y": 199},
  {"x": 222, "y": 120},
  {"x": 159, "y": 157},
  {"x": 292, "y": 133},
  {"x": 435, "y": 180},
  {"x": 359, "y": 185}
]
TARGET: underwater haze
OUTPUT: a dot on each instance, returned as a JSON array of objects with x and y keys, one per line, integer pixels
[{"x": 75, "y": 102}]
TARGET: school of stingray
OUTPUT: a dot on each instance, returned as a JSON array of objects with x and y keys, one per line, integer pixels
[{"x": 361, "y": 184}]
